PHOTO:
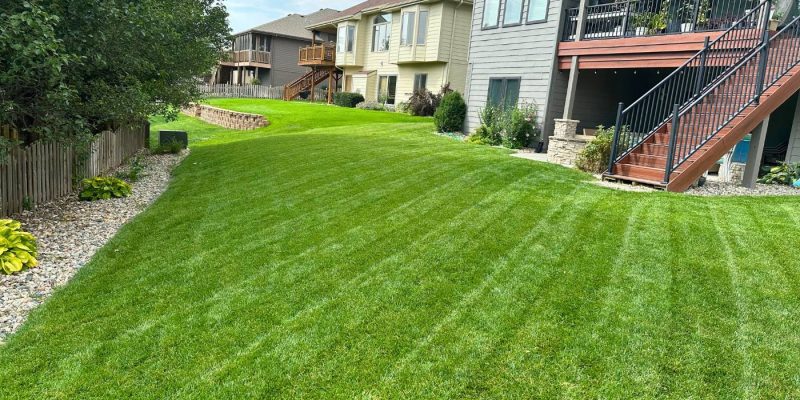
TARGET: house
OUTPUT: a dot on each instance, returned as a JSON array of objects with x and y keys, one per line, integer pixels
[
  {"x": 684, "y": 81},
  {"x": 269, "y": 51},
  {"x": 387, "y": 49}
]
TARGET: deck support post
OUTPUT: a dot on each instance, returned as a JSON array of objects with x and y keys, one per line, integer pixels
[
  {"x": 793, "y": 155},
  {"x": 313, "y": 69},
  {"x": 755, "y": 154},
  {"x": 581, "y": 28},
  {"x": 572, "y": 87},
  {"x": 331, "y": 86}
]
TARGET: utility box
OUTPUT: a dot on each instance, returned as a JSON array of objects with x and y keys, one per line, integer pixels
[{"x": 167, "y": 137}]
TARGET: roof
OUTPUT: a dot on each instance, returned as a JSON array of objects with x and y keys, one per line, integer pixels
[
  {"x": 294, "y": 25},
  {"x": 358, "y": 8}
]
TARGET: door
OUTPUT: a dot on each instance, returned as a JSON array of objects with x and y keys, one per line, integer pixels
[{"x": 387, "y": 86}]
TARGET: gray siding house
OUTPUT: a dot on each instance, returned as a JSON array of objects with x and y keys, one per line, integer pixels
[
  {"x": 268, "y": 54},
  {"x": 513, "y": 53}
]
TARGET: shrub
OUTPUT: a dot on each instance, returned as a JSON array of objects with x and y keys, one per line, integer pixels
[
  {"x": 519, "y": 126},
  {"x": 255, "y": 82},
  {"x": 783, "y": 174},
  {"x": 347, "y": 99},
  {"x": 134, "y": 171},
  {"x": 423, "y": 103},
  {"x": 17, "y": 248},
  {"x": 103, "y": 188},
  {"x": 594, "y": 157},
  {"x": 171, "y": 147},
  {"x": 449, "y": 116},
  {"x": 490, "y": 131},
  {"x": 371, "y": 105}
]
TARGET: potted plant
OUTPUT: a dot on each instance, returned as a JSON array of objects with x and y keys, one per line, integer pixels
[{"x": 642, "y": 23}]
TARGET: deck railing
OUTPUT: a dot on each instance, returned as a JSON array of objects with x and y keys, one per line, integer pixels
[
  {"x": 654, "y": 17},
  {"x": 254, "y": 56},
  {"x": 318, "y": 54}
]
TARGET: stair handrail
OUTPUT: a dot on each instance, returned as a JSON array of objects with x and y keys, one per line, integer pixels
[
  {"x": 646, "y": 115},
  {"x": 683, "y": 147}
]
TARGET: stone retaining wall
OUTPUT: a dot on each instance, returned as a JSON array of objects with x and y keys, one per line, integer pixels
[{"x": 226, "y": 118}]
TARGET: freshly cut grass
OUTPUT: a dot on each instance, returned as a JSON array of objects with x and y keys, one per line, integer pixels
[{"x": 342, "y": 253}]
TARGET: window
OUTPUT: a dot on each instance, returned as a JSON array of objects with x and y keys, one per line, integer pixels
[
  {"x": 420, "y": 82},
  {"x": 537, "y": 10},
  {"x": 407, "y": 29},
  {"x": 381, "y": 29},
  {"x": 387, "y": 85},
  {"x": 503, "y": 92},
  {"x": 491, "y": 13},
  {"x": 513, "y": 12},
  {"x": 422, "y": 28},
  {"x": 344, "y": 39}
]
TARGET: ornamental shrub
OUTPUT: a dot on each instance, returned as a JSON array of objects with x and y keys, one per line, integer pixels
[
  {"x": 783, "y": 174},
  {"x": 17, "y": 248},
  {"x": 347, "y": 99},
  {"x": 519, "y": 126},
  {"x": 449, "y": 116},
  {"x": 371, "y": 105},
  {"x": 104, "y": 188},
  {"x": 594, "y": 157}
]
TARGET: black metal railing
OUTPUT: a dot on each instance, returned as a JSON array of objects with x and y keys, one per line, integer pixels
[
  {"x": 654, "y": 17},
  {"x": 645, "y": 116},
  {"x": 741, "y": 87},
  {"x": 570, "y": 24}
]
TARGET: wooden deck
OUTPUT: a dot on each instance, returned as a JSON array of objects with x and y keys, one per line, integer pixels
[
  {"x": 669, "y": 51},
  {"x": 323, "y": 55},
  {"x": 248, "y": 58}
]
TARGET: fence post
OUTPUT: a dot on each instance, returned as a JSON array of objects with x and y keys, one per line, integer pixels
[{"x": 673, "y": 139}]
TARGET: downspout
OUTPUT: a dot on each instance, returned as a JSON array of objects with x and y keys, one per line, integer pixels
[{"x": 452, "y": 39}]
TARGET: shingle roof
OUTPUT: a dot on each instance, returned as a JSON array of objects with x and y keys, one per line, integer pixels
[
  {"x": 369, "y": 4},
  {"x": 294, "y": 25}
]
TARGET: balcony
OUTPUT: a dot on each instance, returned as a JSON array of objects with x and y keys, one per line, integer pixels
[
  {"x": 318, "y": 55},
  {"x": 637, "y": 18},
  {"x": 248, "y": 58}
]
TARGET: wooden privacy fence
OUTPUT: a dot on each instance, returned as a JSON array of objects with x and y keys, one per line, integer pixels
[
  {"x": 250, "y": 91},
  {"x": 42, "y": 171}
]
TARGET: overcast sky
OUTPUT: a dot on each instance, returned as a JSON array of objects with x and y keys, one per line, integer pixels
[{"x": 245, "y": 14}]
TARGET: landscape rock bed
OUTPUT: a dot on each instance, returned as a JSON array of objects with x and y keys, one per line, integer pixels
[
  {"x": 69, "y": 232},
  {"x": 711, "y": 188}
]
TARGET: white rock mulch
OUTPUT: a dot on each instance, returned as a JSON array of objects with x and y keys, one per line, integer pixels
[
  {"x": 713, "y": 188},
  {"x": 69, "y": 232}
]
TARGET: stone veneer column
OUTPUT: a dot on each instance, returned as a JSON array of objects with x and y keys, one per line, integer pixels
[{"x": 565, "y": 144}]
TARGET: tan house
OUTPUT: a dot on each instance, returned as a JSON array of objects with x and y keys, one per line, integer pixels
[{"x": 387, "y": 49}]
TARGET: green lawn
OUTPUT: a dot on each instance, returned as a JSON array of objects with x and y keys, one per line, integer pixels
[{"x": 353, "y": 254}]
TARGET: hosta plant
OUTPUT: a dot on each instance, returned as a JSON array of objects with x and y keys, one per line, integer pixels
[
  {"x": 103, "y": 188},
  {"x": 17, "y": 248}
]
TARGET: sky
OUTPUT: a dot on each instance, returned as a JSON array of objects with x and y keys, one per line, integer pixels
[{"x": 245, "y": 14}]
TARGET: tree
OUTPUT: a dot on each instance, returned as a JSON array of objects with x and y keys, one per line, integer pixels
[{"x": 109, "y": 62}]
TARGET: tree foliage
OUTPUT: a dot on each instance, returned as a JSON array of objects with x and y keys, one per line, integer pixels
[{"x": 72, "y": 67}]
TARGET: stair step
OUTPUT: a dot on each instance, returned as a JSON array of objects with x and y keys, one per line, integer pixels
[{"x": 640, "y": 172}]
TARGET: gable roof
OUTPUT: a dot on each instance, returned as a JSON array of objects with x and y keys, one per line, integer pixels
[
  {"x": 358, "y": 8},
  {"x": 294, "y": 25}
]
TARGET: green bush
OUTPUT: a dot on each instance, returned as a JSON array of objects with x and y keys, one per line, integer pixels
[
  {"x": 103, "y": 188},
  {"x": 783, "y": 174},
  {"x": 449, "y": 116},
  {"x": 134, "y": 171},
  {"x": 17, "y": 248},
  {"x": 347, "y": 99},
  {"x": 519, "y": 126},
  {"x": 371, "y": 105},
  {"x": 424, "y": 103},
  {"x": 172, "y": 147},
  {"x": 594, "y": 157}
]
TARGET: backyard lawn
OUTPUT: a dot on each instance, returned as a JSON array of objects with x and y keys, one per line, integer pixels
[{"x": 353, "y": 254}]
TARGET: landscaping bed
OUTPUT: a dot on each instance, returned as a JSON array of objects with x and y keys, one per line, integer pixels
[{"x": 69, "y": 231}]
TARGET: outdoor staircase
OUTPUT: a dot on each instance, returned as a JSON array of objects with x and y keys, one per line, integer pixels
[
  {"x": 306, "y": 82},
  {"x": 681, "y": 127}
]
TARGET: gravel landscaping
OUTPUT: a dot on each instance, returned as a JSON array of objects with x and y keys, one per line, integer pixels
[
  {"x": 712, "y": 188},
  {"x": 69, "y": 231}
]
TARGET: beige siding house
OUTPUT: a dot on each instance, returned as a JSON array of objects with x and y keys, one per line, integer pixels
[{"x": 388, "y": 49}]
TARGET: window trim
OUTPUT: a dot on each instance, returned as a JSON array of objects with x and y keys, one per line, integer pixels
[
  {"x": 413, "y": 29},
  {"x": 528, "y": 21},
  {"x": 483, "y": 16},
  {"x": 388, "y": 25},
  {"x": 505, "y": 79},
  {"x": 521, "y": 13}
]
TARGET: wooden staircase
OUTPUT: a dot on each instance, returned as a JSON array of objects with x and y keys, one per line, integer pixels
[
  {"x": 683, "y": 146},
  {"x": 307, "y": 82}
]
